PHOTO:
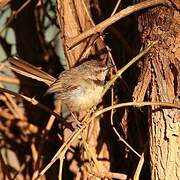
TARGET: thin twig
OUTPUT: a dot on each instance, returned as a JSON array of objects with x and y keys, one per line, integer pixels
[
  {"x": 139, "y": 168},
  {"x": 34, "y": 102},
  {"x": 86, "y": 121},
  {"x": 91, "y": 154},
  {"x": 47, "y": 14},
  {"x": 63, "y": 149},
  {"x": 67, "y": 144},
  {"x": 75, "y": 134},
  {"x": 108, "y": 175},
  {"x": 130, "y": 147},
  {"x": 111, "y": 20},
  {"x": 61, "y": 159},
  {"x": 138, "y": 104},
  {"x": 42, "y": 141},
  {"x": 101, "y": 37},
  {"x": 15, "y": 108},
  {"x": 122, "y": 70},
  {"x": 28, "y": 158},
  {"x": 4, "y": 168},
  {"x": 116, "y": 7},
  {"x": 11, "y": 80}
]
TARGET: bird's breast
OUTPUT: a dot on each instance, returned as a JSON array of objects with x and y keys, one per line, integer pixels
[{"x": 83, "y": 98}]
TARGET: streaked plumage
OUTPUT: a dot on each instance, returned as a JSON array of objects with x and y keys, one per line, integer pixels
[{"x": 79, "y": 88}]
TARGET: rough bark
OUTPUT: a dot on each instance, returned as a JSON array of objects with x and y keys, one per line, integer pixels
[
  {"x": 160, "y": 81},
  {"x": 74, "y": 18}
]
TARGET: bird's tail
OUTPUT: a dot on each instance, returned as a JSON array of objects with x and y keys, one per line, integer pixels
[{"x": 30, "y": 71}]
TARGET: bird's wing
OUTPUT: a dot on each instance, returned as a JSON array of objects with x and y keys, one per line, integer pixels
[{"x": 66, "y": 82}]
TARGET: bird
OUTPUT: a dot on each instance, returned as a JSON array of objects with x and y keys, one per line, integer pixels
[{"x": 79, "y": 88}]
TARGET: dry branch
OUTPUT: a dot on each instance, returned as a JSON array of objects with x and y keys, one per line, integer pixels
[{"x": 111, "y": 20}]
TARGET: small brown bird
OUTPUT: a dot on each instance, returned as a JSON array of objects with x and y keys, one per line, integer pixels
[{"x": 80, "y": 88}]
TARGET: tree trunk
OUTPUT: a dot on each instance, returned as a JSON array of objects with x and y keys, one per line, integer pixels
[{"x": 160, "y": 82}]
